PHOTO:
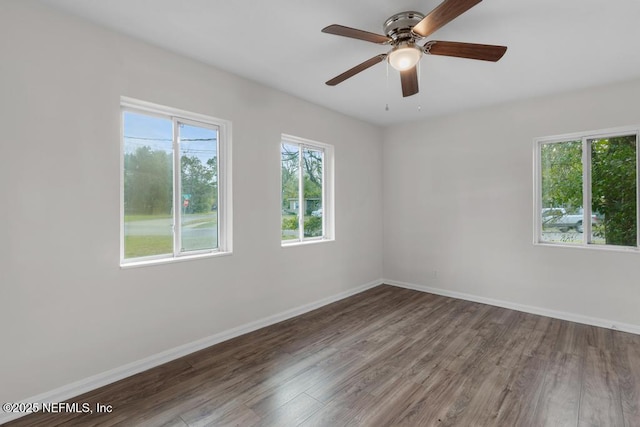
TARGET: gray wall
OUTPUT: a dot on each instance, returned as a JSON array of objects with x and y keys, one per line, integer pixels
[
  {"x": 458, "y": 200},
  {"x": 68, "y": 311}
]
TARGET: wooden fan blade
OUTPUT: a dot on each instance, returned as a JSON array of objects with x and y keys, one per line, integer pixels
[
  {"x": 341, "y": 30},
  {"x": 355, "y": 70},
  {"x": 409, "y": 80},
  {"x": 446, "y": 12},
  {"x": 483, "y": 52}
]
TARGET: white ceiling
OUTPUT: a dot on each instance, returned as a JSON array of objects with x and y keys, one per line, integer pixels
[{"x": 554, "y": 45}]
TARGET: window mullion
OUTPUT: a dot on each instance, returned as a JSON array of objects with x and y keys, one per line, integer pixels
[
  {"x": 324, "y": 194},
  {"x": 537, "y": 192},
  {"x": 300, "y": 194},
  {"x": 177, "y": 190},
  {"x": 221, "y": 217},
  {"x": 586, "y": 191}
]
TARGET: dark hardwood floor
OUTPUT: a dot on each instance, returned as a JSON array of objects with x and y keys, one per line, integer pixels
[{"x": 388, "y": 356}]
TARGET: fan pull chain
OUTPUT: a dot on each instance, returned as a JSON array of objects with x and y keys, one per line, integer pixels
[
  {"x": 419, "y": 85},
  {"x": 386, "y": 108}
]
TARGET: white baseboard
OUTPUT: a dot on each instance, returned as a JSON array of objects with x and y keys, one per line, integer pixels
[
  {"x": 562, "y": 315},
  {"x": 77, "y": 388}
]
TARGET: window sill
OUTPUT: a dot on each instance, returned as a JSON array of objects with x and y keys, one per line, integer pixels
[
  {"x": 610, "y": 248},
  {"x": 149, "y": 263},
  {"x": 306, "y": 243}
]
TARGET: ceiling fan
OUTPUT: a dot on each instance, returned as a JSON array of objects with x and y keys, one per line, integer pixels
[{"x": 403, "y": 32}]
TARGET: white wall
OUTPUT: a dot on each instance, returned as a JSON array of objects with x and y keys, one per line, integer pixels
[
  {"x": 458, "y": 208},
  {"x": 67, "y": 310},
  {"x": 457, "y": 193}
]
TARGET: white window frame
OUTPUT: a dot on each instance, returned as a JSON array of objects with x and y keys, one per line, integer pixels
[
  {"x": 224, "y": 201},
  {"x": 586, "y": 186},
  {"x": 328, "y": 210}
]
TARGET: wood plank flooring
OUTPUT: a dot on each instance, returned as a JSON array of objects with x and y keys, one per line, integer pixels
[{"x": 388, "y": 356}]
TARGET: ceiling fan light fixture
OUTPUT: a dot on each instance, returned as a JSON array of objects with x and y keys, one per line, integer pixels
[{"x": 404, "y": 57}]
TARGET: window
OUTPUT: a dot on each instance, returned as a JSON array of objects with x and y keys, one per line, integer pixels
[
  {"x": 587, "y": 189},
  {"x": 175, "y": 190},
  {"x": 307, "y": 190}
]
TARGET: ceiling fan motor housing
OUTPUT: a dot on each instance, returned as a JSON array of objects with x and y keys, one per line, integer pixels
[{"x": 399, "y": 26}]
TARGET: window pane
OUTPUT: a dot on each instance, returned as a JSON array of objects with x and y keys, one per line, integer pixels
[
  {"x": 148, "y": 186},
  {"x": 199, "y": 187},
  {"x": 613, "y": 189},
  {"x": 290, "y": 158},
  {"x": 561, "y": 172},
  {"x": 312, "y": 164}
]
